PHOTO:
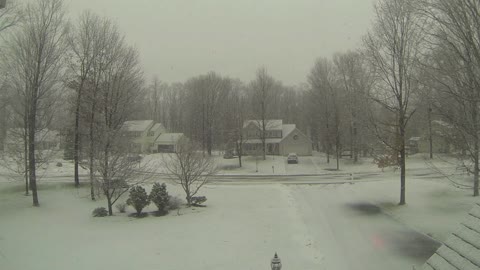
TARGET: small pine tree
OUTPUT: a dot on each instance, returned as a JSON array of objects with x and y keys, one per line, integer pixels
[
  {"x": 159, "y": 196},
  {"x": 138, "y": 199}
]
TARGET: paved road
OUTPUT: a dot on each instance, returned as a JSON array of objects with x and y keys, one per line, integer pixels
[
  {"x": 354, "y": 234},
  {"x": 323, "y": 178}
]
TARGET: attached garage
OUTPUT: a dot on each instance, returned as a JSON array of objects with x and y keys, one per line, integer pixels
[
  {"x": 295, "y": 142},
  {"x": 167, "y": 142}
]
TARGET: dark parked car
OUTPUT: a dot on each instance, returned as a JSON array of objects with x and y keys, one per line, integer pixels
[
  {"x": 135, "y": 158},
  {"x": 292, "y": 158},
  {"x": 229, "y": 154}
]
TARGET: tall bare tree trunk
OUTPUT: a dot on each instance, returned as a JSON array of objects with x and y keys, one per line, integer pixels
[
  {"x": 91, "y": 149},
  {"x": 476, "y": 150},
  {"x": 476, "y": 168},
  {"x": 264, "y": 131},
  {"x": 430, "y": 136},
  {"x": 25, "y": 150},
  {"x": 31, "y": 146},
  {"x": 355, "y": 143},
  {"x": 25, "y": 161},
  {"x": 76, "y": 150},
  {"x": 402, "y": 157}
]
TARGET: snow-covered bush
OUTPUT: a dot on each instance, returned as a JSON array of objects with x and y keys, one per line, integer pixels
[
  {"x": 100, "y": 212},
  {"x": 138, "y": 199},
  {"x": 387, "y": 160},
  {"x": 159, "y": 196},
  {"x": 198, "y": 200},
  {"x": 121, "y": 207},
  {"x": 174, "y": 202}
]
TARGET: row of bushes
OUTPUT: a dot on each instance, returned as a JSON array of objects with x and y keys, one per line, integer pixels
[{"x": 139, "y": 199}]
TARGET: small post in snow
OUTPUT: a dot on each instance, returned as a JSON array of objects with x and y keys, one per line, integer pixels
[
  {"x": 273, "y": 169},
  {"x": 351, "y": 176}
]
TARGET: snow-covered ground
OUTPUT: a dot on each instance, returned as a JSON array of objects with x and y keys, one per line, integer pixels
[
  {"x": 344, "y": 225},
  {"x": 240, "y": 229},
  {"x": 273, "y": 165}
]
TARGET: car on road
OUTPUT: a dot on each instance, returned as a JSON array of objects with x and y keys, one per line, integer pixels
[
  {"x": 292, "y": 158},
  {"x": 229, "y": 154},
  {"x": 134, "y": 158}
]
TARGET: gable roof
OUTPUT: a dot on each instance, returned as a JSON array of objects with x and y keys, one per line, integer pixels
[
  {"x": 272, "y": 124},
  {"x": 168, "y": 138},
  {"x": 158, "y": 126},
  {"x": 461, "y": 250},
  {"x": 287, "y": 129},
  {"x": 136, "y": 125}
]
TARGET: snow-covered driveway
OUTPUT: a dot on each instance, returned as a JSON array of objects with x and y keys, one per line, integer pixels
[{"x": 354, "y": 234}]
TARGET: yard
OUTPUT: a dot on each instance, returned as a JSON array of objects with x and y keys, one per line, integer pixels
[{"x": 316, "y": 226}]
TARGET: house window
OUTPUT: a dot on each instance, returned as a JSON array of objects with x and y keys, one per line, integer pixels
[{"x": 295, "y": 137}]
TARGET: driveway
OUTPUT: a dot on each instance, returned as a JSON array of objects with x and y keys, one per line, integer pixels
[{"x": 354, "y": 234}]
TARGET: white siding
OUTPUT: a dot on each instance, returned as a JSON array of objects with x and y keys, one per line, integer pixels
[{"x": 296, "y": 142}]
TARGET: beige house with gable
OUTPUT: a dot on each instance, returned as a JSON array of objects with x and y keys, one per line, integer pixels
[
  {"x": 146, "y": 136},
  {"x": 281, "y": 139}
]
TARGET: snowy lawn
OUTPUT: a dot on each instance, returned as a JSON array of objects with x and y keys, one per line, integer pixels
[
  {"x": 241, "y": 228},
  {"x": 313, "y": 226},
  {"x": 434, "y": 206}
]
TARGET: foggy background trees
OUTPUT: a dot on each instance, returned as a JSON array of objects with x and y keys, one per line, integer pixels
[{"x": 418, "y": 68}]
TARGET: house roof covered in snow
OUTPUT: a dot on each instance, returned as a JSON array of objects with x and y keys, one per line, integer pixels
[
  {"x": 273, "y": 124},
  {"x": 268, "y": 140},
  {"x": 168, "y": 138},
  {"x": 461, "y": 250},
  {"x": 136, "y": 125},
  {"x": 287, "y": 129},
  {"x": 158, "y": 126}
]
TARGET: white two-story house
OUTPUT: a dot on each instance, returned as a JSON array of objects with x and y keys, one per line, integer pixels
[
  {"x": 146, "y": 136},
  {"x": 280, "y": 138}
]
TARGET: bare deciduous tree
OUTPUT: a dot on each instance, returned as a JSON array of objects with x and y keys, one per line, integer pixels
[
  {"x": 392, "y": 48},
  {"x": 207, "y": 94},
  {"x": 262, "y": 88},
  {"x": 9, "y": 15},
  {"x": 120, "y": 89},
  {"x": 454, "y": 67},
  {"x": 35, "y": 54},
  {"x": 326, "y": 95},
  {"x": 189, "y": 168},
  {"x": 85, "y": 47},
  {"x": 355, "y": 81}
]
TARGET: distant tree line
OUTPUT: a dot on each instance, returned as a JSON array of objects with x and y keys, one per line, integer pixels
[{"x": 419, "y": 63}]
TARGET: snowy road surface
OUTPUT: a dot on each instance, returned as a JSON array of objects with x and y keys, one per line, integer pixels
[{"x": 353, "y": 234}]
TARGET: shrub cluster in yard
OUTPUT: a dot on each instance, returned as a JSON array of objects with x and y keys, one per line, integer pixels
[
  {"x": 138, "y": 199},
  {"x": 198, "y": 200},
  {"x": 100, "y": 212},
  {"x": 159, "y": 196},
  {"x": 174, "y": 202},
  {"x": 121, "y": 207}
]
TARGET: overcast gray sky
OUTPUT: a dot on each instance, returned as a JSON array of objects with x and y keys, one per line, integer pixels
[{"x": 178, "y": 39}]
